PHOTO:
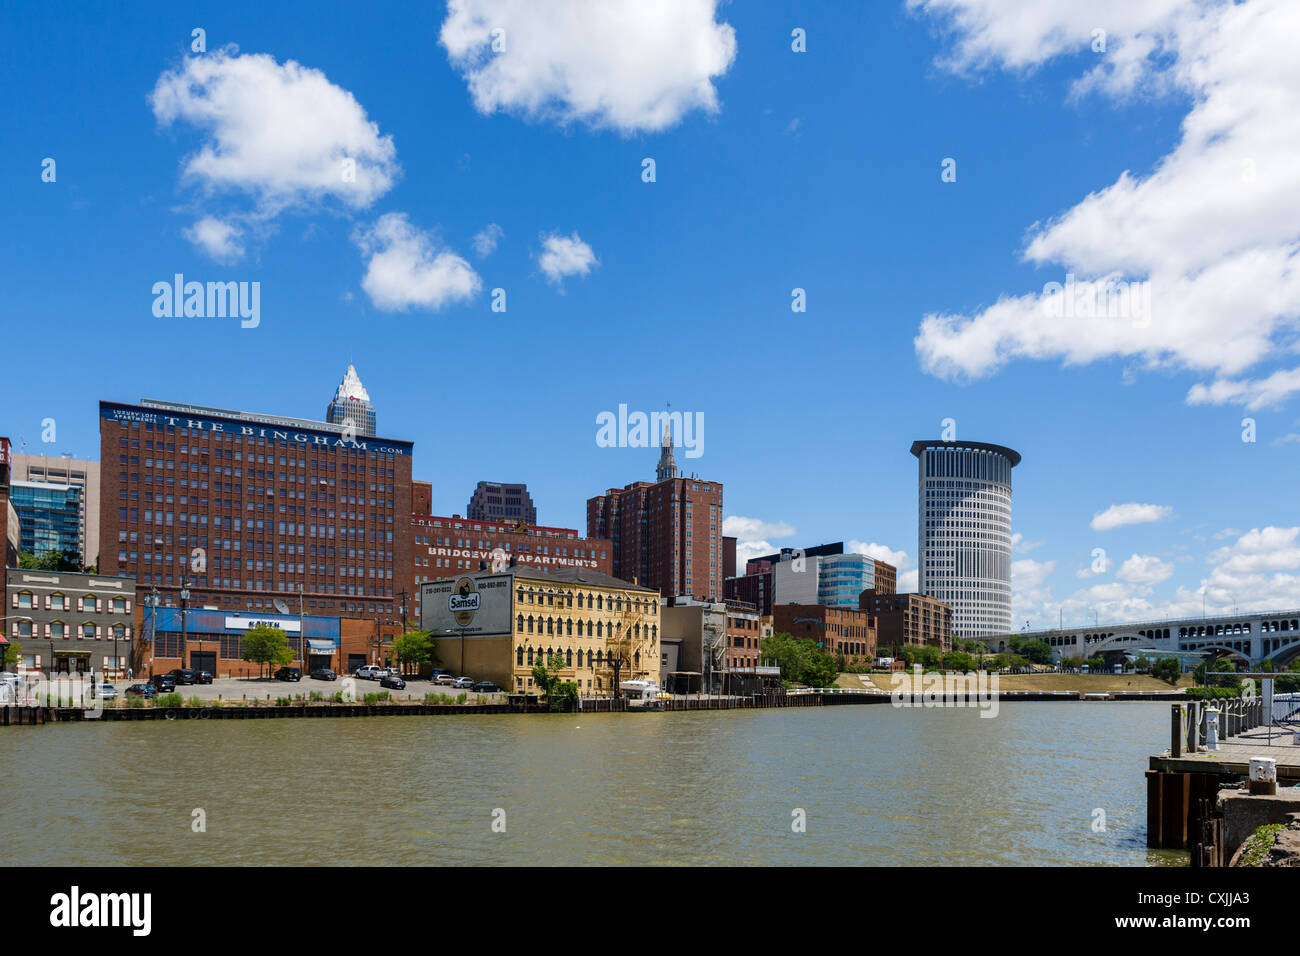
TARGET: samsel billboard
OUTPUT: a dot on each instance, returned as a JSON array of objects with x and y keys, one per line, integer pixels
[{"x": 472, "y": 607}]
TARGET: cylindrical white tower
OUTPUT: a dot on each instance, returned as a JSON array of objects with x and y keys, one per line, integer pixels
[{"x": 964, "y": 531}]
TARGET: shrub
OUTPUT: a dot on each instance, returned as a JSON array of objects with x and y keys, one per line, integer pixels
[
  {"x": 169, "y": 700},
  {"x": 195, "y": 702},
  {"x": 317, "y": 695}
]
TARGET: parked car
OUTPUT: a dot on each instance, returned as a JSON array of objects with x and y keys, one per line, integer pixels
[
  {"x": 445, "y": 679},
  {"x": 323, "y": 673},
  {"x": 382, "y": 672},
  {"x": 142, "y": 690},
  {"x": 202, "y": 677},
  {"x": 106, "y": 691},
  {"x": 487, "y": 687},
  {"x": 393, "y": 681},
  {"x": 163, "y": 682},
  {"x": 288, "y": 673},
  {"x": 437, "y": 672},
  {"x": 368, "y": 672},
  {"x": 464, "y": 683},
  {"x": 183, "y": 675}
]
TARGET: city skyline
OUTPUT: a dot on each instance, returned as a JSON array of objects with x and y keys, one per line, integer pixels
[{"x": 1133, "y": 439}]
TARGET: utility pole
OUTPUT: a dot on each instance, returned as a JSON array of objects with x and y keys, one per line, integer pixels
[{"x": 185, "y": 596}]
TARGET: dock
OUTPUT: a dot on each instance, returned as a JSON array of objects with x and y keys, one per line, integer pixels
[{"x": 1184, "y": 781}]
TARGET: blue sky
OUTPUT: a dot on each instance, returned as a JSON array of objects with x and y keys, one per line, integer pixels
[{"x": 775, "y": 170}]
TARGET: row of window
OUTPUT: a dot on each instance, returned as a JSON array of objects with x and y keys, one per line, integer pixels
[{"x": 58, "y": 601}]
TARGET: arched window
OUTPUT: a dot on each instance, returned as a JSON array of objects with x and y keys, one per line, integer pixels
[
  {"x": 589, "y": 657},
  {"x": 569, "y": 628},
  {"x": 599, "y": 632},
  {"x": 519, "y": 655},
  {"x": 568, "y": 657},
  {"x": 88, "y": 631},
  {"x": 654, "y": 631},
  {"x": 599, "y": 659},
  {"x": 58, "y": 602},
  {"x": 599, "y": 603},
  {"x": 519, "y": 624},
  {"x": 519, "y": 595},
  {"x": 530, "y": 624},
  {"x": 550, "y": 625},
  {"x": 579, "y": 599},
  {"x": 530, "y": 655}
]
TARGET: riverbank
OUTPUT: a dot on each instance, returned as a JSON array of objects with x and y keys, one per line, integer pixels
[{"x": 1044, "y": 682}]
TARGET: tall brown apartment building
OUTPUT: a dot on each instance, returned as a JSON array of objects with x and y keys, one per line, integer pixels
[
  {"x": 909, "y": 619},
  {"x": 665, "y": 534},
  {"x": 837, "y": 630},
  {"x": 251, "y": 510}
]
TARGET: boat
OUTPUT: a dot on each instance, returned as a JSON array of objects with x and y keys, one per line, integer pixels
[{"x": 641, "y": 694}]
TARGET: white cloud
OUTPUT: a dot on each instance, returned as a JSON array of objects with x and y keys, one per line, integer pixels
[
  {"x": 621, "y": 64},
  {"x": 1116, "y": 516},
  {"x": 486, "y": 240},
  {"x": 1145, "y": 570},
  {"x": 220, "y": 240},
  {"x": 1214, "y": 227},
  {"x": 1022, "y": 546},
  {"x": 406, "y": 268},
  {"x": 909, "y": 581},
  {"x": 880, "y": 552},
  {"x": 277, "y": 133},
  {"x": 738, "y": 526},
  {"x": 565, "y": 256},
  {"x": 1254, "y": 394},
  {"x": 751, "y": 536}
]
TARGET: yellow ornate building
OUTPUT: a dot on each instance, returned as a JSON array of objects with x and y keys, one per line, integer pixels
[{"x": 600, "y": 625}]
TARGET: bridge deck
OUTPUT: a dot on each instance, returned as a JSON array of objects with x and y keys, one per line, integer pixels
[{"x": 1234, "y": 753}]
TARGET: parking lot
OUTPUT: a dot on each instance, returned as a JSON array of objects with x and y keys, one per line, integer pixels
[{"x": 239, "y": 688}]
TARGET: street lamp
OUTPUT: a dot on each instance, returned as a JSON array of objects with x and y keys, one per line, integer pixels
[{"x": 185, "y": 596}]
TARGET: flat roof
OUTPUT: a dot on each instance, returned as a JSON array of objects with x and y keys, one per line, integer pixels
[{"x": 922, "y": 445}]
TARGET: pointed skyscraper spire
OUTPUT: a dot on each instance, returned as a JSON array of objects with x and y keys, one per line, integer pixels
[{"x": 667, "y": 466}]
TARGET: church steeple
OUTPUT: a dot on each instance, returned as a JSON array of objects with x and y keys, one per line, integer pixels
[{"x": 667, "y": 466}]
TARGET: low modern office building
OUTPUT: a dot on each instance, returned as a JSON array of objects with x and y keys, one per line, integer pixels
[
  {"x": 65, "y": 470},
  {"x": 903, "y": 619},
  {"x": 497, "y": 626},
  {"x": 51, "y": 518},
  {"x": 78, "y": 623},
  {"x": 841, "y": 631}
]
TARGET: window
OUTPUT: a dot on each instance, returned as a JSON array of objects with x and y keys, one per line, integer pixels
[{"x": 25, "y": 599}]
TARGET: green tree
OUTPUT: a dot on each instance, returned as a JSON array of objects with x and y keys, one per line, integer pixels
[
  {"x": 557, "y": 692},
  {"x": 1167, "y": 669},
  {"x": 10, "y": 654},
  {"x": 1038, "y": 651},
  {"x": 266, "y": 645},
  {"x": 1219, "y": 664},
  {"x": 66, "y": 560},
  {"x": 801, "y": 660},
  {"x": 414, "y": 648}
]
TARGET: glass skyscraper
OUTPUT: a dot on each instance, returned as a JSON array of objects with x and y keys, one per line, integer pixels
[
  {"x": 351, "y": 405},
  {"x": 49, "y": 517}
]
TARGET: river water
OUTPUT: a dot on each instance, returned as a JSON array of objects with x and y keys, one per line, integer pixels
[{"x": 871, "y": 785}]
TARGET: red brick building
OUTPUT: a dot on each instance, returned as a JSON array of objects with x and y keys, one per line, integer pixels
[
  {"x": 836, "y": 630},
  {"x": 908, "y": 619},
  {"x": 444, "y": 547},
  {"x": 254, "y": 509},
  {"x": 665, "y": 534},
  {"x": 744, "y": 635}
]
